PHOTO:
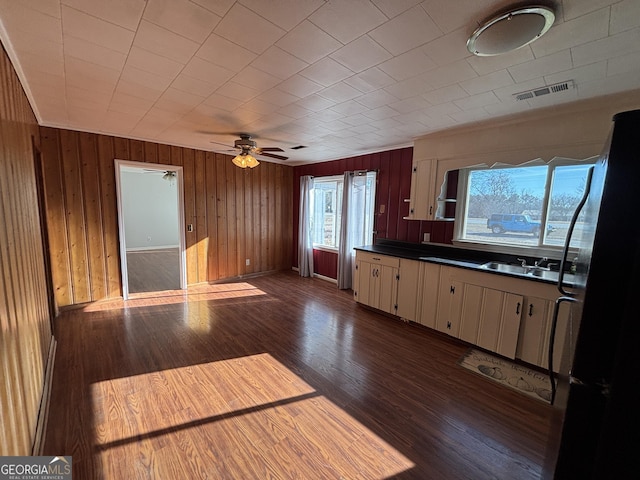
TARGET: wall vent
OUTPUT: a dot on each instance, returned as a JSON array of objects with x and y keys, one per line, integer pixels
[{"x": 546, "y": 90}]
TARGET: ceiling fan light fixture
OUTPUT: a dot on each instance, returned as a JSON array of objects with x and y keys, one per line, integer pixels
[
  {"x": 510, "y": 30},
  {"x": 244, "y": 160}
]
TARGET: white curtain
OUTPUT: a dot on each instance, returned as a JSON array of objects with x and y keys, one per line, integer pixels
[
  {"x": 305, "y": 241},
  {"x": 353, "y": 225}
]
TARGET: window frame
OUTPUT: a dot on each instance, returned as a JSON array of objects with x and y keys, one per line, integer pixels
[
  {"x": 541, "y": 249},
  {"x": 339, "y": 179}
]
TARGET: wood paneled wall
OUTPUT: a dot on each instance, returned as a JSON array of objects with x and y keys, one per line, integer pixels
[
  {"x": 394, "y": 185},
  {"x": 25, "y": 332},
  {"x": 236, "y": 214}
]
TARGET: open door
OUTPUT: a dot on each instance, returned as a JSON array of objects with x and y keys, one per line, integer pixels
[{"x": 150, "y": 217}]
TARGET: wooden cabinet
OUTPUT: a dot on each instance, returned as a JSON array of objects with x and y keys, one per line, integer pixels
[
  {"x": 428, "y": 294},
  {"x": 422, "y": 202},
  {"x": 376, "y": 283},
  {"x": 408, "y": 286}
]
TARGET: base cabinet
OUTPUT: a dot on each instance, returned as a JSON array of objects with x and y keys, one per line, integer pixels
[{"x": 376, "y": 283}]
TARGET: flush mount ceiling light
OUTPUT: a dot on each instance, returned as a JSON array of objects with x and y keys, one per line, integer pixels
[
  {"x": 245, "y": 160},
  {"x": 510, "y": 31}
]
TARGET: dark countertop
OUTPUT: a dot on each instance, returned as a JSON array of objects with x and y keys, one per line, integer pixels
[{"x": 455, "y": 257}]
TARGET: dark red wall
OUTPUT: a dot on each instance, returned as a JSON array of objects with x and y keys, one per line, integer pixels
[{"x": 394, "y": 185}]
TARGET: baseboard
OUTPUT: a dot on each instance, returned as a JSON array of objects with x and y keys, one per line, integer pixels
[
  {"x": 43, "y": 412},
  {"x": 317, "y": 275}
]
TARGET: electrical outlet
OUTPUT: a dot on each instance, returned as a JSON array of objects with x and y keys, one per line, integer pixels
[
  {"x": 248, "y": 262},
  {"x": 190, "y": 227}
]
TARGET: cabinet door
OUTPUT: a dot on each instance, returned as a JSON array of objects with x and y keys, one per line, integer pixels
[
  {"x": 422, "y": 203},
  {"x": 533, "y": 331},
  {"x": 408, "y": 286},
  {"x": 449, "y": 304},
  {"x": 470, "y": 314},
  {"x": 428, "y": 302},
  {"x": 387, "y": 288},
  {"x": 510, "y": 325},
  {"x": 367, "y": 283}
]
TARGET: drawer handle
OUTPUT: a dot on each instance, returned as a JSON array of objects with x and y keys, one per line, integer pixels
[
  {"x": 518, "y": 309},
  {"x": 531, "y": 309},
  {"x": 376, "y": 258}
]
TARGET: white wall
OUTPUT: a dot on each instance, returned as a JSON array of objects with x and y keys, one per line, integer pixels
[{"x": 150, "y": 206}]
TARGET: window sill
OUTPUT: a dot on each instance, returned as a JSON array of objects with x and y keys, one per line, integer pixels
[
  {"x": 324, "y": 248},
  {"x": 554, "y": 253}
]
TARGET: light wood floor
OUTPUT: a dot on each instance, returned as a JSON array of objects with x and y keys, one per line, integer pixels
[{"x": 277, "y": 377}]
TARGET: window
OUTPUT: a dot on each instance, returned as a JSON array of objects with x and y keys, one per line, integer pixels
[
  {"x": 523, "y": 206},
  {"x": 326, "y": 210}
]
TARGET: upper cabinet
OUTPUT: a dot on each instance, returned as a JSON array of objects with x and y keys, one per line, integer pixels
[{"x": 422, "y": 203}]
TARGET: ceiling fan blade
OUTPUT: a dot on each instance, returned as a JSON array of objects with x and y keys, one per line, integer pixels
[
  {"x": 270, "y": 149},
  {"x": 273, "y": 155}
]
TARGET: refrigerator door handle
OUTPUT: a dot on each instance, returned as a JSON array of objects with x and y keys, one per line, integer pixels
[
  {"x": 574, "y": 219},
  {"x": 552, "y": 339}
]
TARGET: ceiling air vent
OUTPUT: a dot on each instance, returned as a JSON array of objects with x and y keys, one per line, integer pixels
[
  {"x": 546, "y": 90},
  {"x": 298, "y": 147}
]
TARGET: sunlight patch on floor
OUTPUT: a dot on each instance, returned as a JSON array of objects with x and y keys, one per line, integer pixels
[{"x": 249, "y": 413}]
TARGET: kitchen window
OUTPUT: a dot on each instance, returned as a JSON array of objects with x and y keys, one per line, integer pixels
[{"x": 521, "y": 207}]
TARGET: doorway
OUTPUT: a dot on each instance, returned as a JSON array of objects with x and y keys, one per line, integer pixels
[{"x": 150, "y": 217}]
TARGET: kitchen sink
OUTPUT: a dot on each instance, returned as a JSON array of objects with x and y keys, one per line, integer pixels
[{"x": 528, "y": 271}]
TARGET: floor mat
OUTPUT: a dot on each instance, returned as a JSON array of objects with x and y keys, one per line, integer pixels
[{"x": 521, "y": 378}]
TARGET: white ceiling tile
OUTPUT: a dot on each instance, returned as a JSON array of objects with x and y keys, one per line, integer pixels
[
  {"x": 326, "y": 72},
  {"x": 586, "y": 28},
  {"x": 125, "y": 13},
  {"x": 285, "y": 13},
  {"x": 48, "y": 7},
  {"x": 294, "y": 111},
  {"x": 144, "y": 78},
  {"x": 166, "y": 43},
  {"x": 592, "y": 71},
  {"x": 259, "y": 106},
  {"x": 256, "y": 79},
  {"x": 279, "y": 63},
  {"x": 40, "y": 26},
  {"x": 392, "y": 8},
  {"x": 308, "y": 42},
  {"x": 361, "y": 54},
  {"x": 315, "y": 103},
  {"x": 223, "y": 103},
  {"x": 406, "y": 31},
  {"x": 355, "y": 116},
  {"x": 90, "y": 52},
  {"x": 409, "y": 64},
  {"x": 485, "y": 83},
  {"x": 42, "y": 66},
  {"x": 476, "y": 101},
  {"x": 385, "y": 123},
  {"x": 507, "y": 108},
  {"x": 152, "y": 124},
  {"x": 220, "y": 51},
  {"x": 612, "y": 84},
  {"x": 125, "y": 103},
  {"x": 446, "y": 108},
  {"x": 182, "y": 17},
  {"x": 88, "y": 75},
  {"x": 370, "y": 80},
  {"x": 126, "y": 87},
  {"x": 410, "y": 104},
  {"x": 24, "y": 42},
  {"x": 260, "y": 36},
  {"x": 193, "y": 85},
  {"x": 219, "y": 7},
  {"x": 239, "y": 92},
  {"x": 208, "y": 72},
  {"x": 625, "y": 15},
  {"x": 376, "y": 99},
  {"x": 277, "y": 97},
  {"x": 340, "y": 92},
  {"x": 615, "y": 66},
  {"x": 150, "y": 62},
  {"x": 541, "y": 66},
  {"x": 410, "y": 87},
  {"x": 299, "y": 86},
  {"x": 576, "y": 8},
  {"x": 448, "y": 48},
  {"x": 445, "y": 94},
  {"x": 119, "y": 120},
  {"x": 78, "y": 24},
  {"x": 470, "y": 116},
  {"x": 80, "y": 97},
  {"x": 450, "y": 16},
  {"x": 177, "y": 101},
  {"x": 484, "y": 65},
  {"x": 610, "y": 47},
  {"x": 441, "y": 77},
  {"x": 349, "y": 108},
  {"x": 362, "y": 14},
  {"x": 380, "y": 113}
]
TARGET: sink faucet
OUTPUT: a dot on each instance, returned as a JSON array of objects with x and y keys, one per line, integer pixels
[
  {"x": 538, "y": 263},
  {"x": 524, "y": 262}
]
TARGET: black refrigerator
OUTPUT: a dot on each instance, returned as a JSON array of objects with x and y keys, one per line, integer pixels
[{"x": 595, "y": 431}]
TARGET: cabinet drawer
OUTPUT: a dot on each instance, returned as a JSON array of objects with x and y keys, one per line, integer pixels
[{"x": 378, "y": 259}]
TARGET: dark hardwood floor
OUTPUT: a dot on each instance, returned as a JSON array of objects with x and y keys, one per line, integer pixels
[{"x": 277, "y": 377}]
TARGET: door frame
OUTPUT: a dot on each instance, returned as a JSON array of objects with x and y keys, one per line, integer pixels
[{"x": 119, "y": 164}]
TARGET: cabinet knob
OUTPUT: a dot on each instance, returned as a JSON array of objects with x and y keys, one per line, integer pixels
[
  {"x": 531, "y": 309},
  {"x": 518, "y": 309},
  {"x": 448, "y": 325},
  {"x": 452, "y": 289}
]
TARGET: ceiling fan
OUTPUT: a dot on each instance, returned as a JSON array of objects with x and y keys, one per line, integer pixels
[{"x": 247, "y": 147}]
